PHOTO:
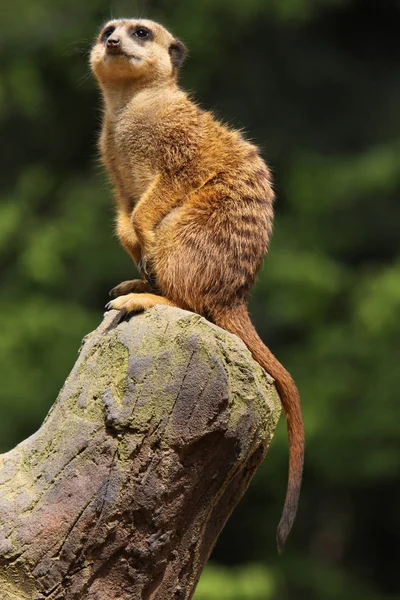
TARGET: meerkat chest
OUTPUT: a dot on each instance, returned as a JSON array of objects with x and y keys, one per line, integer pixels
[
  {"x": 135, "y": 177},
  {"x": 128, "y": 159}
]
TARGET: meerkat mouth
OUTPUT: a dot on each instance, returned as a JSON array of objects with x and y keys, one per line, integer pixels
[{"x": 122, "y": 54}]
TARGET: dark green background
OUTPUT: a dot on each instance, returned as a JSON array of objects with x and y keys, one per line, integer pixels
[{"x": 316, "y": 83}]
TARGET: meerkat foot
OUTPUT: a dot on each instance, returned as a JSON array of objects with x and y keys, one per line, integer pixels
[
  {"x": 127, "y": 287},
  {"x": 137, "y": 302}
]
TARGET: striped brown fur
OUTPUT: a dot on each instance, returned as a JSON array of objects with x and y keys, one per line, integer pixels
[{"x": 194, "y": 203}]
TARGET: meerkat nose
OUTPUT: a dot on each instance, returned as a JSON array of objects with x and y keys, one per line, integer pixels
[{"x": 113, "y": 44}]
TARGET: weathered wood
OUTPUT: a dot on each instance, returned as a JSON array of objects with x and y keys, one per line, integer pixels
[{"x": 123, "y": 491}]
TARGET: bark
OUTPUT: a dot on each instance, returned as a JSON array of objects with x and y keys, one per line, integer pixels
[{"x": 123, "y": 491}]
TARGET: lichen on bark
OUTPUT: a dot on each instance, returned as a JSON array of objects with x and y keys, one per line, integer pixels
[{"x": 123, "y": 491}]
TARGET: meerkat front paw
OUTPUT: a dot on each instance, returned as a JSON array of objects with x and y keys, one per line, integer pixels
[
  {"x": 146, "y": 271},
  {"x": 142, "y": 267},
  {"x": 126, "y": 287}
]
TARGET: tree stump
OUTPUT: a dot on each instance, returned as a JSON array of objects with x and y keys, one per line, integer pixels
[{"x": 123, "y": 491}]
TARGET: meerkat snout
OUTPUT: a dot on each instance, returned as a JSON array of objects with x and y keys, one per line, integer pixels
[{"x": 113, "y": 45}]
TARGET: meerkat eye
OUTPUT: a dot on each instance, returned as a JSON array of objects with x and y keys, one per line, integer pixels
[
  {"x": 107, "y": 32},
  {"x": 142, "y": 33}
]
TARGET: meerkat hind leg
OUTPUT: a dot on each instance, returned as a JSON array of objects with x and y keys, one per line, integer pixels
[
  {"x": 133, "y": 285},
  {"x": 137, "y": 302}
]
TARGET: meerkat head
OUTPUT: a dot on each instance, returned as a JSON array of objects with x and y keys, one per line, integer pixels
[{"x": 131, "y": 50}]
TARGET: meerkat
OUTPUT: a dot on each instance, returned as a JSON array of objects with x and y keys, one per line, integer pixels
[{"x": 194, "y": 203}]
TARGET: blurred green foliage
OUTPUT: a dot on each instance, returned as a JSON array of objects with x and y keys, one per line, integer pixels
[
  {"x": 316, "y": 83},
  {"x": 247, "y": 583}
]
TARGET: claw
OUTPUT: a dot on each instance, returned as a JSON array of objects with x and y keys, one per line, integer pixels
[
  {"x": 121, "y": 316},
  {"x": 142, "y": 267},
  {"x": 147, "y": 273},
  {"x": 117, "y": 319},
  {"x": 122, "y": 311}
]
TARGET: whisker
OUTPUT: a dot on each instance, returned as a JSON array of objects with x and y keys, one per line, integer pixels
[{"x": 83, "y": 79}]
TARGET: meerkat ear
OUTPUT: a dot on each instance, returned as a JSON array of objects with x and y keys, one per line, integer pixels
[{"x": 177, "y": 52}]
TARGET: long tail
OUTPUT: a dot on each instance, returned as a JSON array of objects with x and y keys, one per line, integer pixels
[{"x": 237, "y": 321}]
